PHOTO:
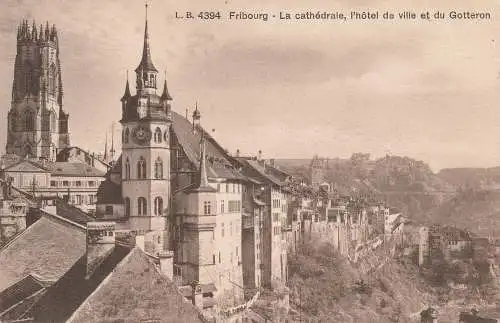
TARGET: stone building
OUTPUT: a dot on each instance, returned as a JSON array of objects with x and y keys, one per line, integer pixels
[
  {"x": 318, "y": 168},
  {"x": 77, "y": 183},
  {"x": 37, "y": 124},
  {"x": 276, "y": 195}
]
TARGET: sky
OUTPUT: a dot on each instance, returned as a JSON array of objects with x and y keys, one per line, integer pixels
[{"x": 425, "y": 89}]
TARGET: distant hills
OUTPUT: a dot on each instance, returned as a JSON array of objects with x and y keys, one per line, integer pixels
[{"x": 466, "y": 197}]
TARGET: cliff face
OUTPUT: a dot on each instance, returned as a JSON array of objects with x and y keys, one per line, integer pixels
[{"x": 325, "y": 287}]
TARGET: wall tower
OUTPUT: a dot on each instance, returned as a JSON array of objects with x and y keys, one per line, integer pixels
[{"x": 37, "y": 124}]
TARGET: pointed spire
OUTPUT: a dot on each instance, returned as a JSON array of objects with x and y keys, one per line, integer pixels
[
  {"x": 33, "y": 31},
  {"x": 47, "y": 33},
  {"x": 112, "y": 150},
  {"x": 196, "y": 113},
  {"x": 146, "y": 61},
  {"x": 165, "y": 95},
  {"x": 40, "y": 36},
  {"x": 127, "y": 94},
  {"x": 105, "y": 157}
]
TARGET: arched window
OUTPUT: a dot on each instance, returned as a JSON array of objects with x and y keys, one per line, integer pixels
[
  {"x": 142, "y": 206},
  {"x": 29, "y": 119},
  {"x": 28, "y": 81},
  {"x": 52, "y": 79},
  {"x": 158, "y": 206},
  {"x": 158, "y": 168},
  {"x": 141, "y": 168},
  {"x": 127, "y": 169},
  {"x": 165, "y": 136},
  {"x": 52, "y": 121},
  {"x": 28, "y": 151},
  {"x": 126, "y": 134},
  {"x": 127, "y": 207},
  {"x": 13, "y": 121},
  {"x": 157, "y": 136}
]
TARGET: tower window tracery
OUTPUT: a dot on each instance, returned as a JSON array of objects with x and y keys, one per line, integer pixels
[
  {"x": 141, "y": 168},
  {"x": 127, "y": 169},
  {"x": 29, "y": 119},
  {"x": 157, "y": 135},
  {"x": 158, "y": 168},
  {"x": 142, "y": 206},
  {"x": 158, "y": 206},
  {"x": 52, "y": 79}
]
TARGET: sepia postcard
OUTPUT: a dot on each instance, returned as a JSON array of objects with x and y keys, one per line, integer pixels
[{"x": 249, "y": 161}]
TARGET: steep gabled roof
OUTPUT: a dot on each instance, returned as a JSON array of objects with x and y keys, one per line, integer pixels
[
  {"x": 47, "y": 248},
  {"x": 219, "y": 163},
  {"x": 260, "y": 172},
  {"x": 136, "y": 291}
]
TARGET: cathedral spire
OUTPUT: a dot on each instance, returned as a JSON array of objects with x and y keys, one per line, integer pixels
[
  {"x": 105, "y": 157},
  {"x": 146, "y": 63},
  {"x": 112, "y": 150}
]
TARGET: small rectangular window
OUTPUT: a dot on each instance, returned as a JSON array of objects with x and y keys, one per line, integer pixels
[{"x": 53, "y": 184}]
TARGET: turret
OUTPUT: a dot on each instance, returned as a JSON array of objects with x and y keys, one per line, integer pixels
[
  {"x": 196, "y": 117},
  {"x": 146, "y": 72}
]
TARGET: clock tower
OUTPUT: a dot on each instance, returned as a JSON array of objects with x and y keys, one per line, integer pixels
[{"x": 146, "y": 120}]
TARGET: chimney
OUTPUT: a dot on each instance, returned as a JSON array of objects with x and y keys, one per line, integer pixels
[
  {"x": 237, "y": 153},
  {"x": 259, "y": 156},
  {"x": 272, "y": 163},
  {"x": 167, "y": 263},
  {"x": 100, "y": 244}
]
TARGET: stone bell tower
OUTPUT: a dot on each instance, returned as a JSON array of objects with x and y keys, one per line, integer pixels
[
  {"x": 37, "y": 124},
  {"x": 146, "y": 120}
]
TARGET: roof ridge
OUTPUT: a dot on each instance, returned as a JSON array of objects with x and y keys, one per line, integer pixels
[{"x": 62, "y": 219}]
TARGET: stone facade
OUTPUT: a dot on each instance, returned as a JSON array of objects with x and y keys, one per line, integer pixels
[{"x": 37, "y": 125}]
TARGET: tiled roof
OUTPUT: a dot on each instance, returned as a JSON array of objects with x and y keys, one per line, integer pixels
[
  {"x": 260, "y": 170},
  {"x": 134, "y": 292},
  {"x": 62, "y": 299},
  {"x": 72, "y": 213},
  {"x": 62, "y": 155},
  {"x": 74, "y": 169},
  {"x": 48, "y": 248},
  {"x": 218, "y": 164},
  {"x": 109, "y": 193}
]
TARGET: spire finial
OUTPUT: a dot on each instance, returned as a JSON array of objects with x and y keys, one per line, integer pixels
[{"x": 146, "y": 5}]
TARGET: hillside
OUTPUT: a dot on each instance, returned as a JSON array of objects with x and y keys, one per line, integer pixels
[
  {"x": 478, "y": 178},
  {"x": 402, "y": 182},
  {"x": 324, "y": 287},
  {"x": 476, "y": 210}
]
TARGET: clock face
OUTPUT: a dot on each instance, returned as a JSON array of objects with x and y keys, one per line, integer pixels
[{"x": 142, "y": 134}]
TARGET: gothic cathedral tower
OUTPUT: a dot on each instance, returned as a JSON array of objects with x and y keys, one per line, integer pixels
[
  {"x": 146, "y": 120},
  {"x": 37, "y": 124}
]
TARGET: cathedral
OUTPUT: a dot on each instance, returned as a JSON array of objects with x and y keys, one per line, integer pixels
[{"x": 37, "y": 123}]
